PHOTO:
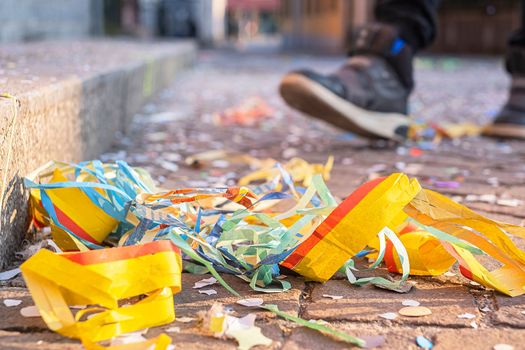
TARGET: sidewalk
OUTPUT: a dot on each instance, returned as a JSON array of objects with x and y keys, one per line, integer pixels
[{"x": 180, "y": 123}]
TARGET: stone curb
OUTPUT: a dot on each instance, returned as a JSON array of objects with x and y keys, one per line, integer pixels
[{"x": 75, "y": 117}]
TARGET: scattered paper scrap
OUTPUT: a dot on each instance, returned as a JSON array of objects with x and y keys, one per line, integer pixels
[
  {"x": 449, "y": 274},
  {"x": 12, "y": 302},
  {"x": 474, "y": 325},
  {"x": 410, "y": 302},
  {"x": 402, "y": 287},
  {"x": 509, "y": 202},
  {"x": 30, "y": 311},
  {"x": 219, "y": 323},
  {"x": 207, "y": 291},
  {"x": 467, "y": 316},
  {"x": 333, "y": 297},
  {"x": 388, "y": 315},
  {"x": 424, "y": 342},
  {"x": 415, "y": 311},
  {"x": 249, "y": 337},
  {"x": 173, "y": 330},
  {"x": 128, "y": 338},
  {"x": 503, "y": 347},
  {"x": 250, "y": 302},
  {"x": 250, "y": 112},
  {"x": 7, "y": 275},
  {"x": 485, "y": 309},
  {"x": 204, "y": 283},
  {"x": 184, "y": 319},
  {"x": 374, "y": 341}
]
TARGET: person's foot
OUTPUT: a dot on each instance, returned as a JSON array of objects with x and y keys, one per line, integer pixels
[
  {"x": 510, "y": 121},
  {"x": 368, "y": 95}
]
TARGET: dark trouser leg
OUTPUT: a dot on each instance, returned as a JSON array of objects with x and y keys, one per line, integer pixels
[
  {"x": 415, "y": 19},
  {"x": 403, "y": 27},
  {"x": 515, "y": 59},
  {"x": 517, "y": 38},
  {"x": 510, "y": 121}
]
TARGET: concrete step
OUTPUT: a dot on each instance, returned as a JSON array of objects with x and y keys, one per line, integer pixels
[{"x": 73, "y": 98}]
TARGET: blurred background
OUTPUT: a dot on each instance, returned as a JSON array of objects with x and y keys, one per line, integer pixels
[{"x": 465, "y": 26}]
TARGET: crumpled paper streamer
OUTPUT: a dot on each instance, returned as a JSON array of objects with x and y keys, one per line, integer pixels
[{"x": 105, "y": 278}]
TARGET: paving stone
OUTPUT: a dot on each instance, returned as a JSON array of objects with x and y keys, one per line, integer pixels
[
  {"x": 395, "y": 337},
  {"x": 11, "y": 319},
  {"x": 37, "y": 340},
  {"x": 364, "y": 304},
  {"x": 480, "y": 339},
  {"x": 510, "y": 311}
]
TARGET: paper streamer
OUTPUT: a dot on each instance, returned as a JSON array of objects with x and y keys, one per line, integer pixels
[{"x": 105, "y": 278}]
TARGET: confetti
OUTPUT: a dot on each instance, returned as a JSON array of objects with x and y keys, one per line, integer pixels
[
  {"x": 184, "y": 319},
  {"x": 128, "y": 338},
  {"x": 333, "y": 297},
  {"x": 388, "y": 315},
  {"x": 173, "y": 330},
  {"x": 509, "y": 202},
  {"x": 12, "y": 302},
  {"x": 503, "y": 347},
  {"x": 250, "y": 302},
  {"x": 7, "y": 275},
  {"x": 415, "y": 311},
  {"x": 30, "y": 311},
  {"x": 204, "y": 283},
  {"x": 424, "y": 342},
  {"x": 409, "y": 302},
  {"x": 207, "y": 291},
  {"x": 467, "y": 316},
  {"x": 374, "y": 341}
]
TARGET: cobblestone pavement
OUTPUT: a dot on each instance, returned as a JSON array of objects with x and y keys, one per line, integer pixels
[{"x": 179, "y": 123}]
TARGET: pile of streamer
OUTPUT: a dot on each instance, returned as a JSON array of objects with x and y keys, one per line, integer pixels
[{"x": 123, "y": 238}]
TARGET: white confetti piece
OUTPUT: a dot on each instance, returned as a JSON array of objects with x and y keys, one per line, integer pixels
[
  {"x": 250, "y": 302},
  {"x": 509, "y": 202},
  {"x": 503, "y": 347},
  {"x": 30, "y": 311},
  {"x": 474, "y": 325},
  {"x": 467, "y": 316},
  {"x": 333, "y": 297},
  {"x": 410, "y": 302},
  {"x": 449, "y": 274},
  {"x": 388, "y": 315},
  {"x": 184, "y": 319},
  {"x": 128, "y": 338},
  {"x": 205, "y": 282},
  {"x": 173, "y": 330},
  {"x": 7, "y": 275},
  {"x": 485, "y": 309},
  {"x": 12, "y": 302},
  {"x": 207, "y": 291}
]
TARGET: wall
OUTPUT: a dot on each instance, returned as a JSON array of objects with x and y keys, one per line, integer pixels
[{"x": 29, "y": 20}]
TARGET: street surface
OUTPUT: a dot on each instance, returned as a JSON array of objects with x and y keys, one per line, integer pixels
[{"x": 488, "y": 176}]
